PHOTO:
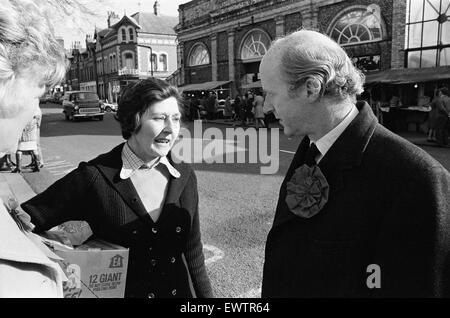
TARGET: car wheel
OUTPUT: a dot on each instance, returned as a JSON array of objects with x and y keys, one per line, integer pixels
[{"x": 108, "y": 109}]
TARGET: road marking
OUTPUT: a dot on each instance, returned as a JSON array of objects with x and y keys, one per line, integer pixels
[
  {"x": 217, "y": 254},
  {"x": 60, "y": 173},
  {"x": 286, "y": 151},
  {"x": 54, "y": 163},
  {"x": 252, "y": 293},
  {"x": 60, "y": 166}
]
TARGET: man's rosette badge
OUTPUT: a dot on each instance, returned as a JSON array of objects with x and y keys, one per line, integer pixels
[{"x": 307, "y": 191}]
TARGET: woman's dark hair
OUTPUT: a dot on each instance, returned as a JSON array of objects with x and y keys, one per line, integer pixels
[{"x": 137, "y": 98}]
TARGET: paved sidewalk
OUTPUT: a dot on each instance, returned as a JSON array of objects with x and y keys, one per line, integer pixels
[{"x": 14, "y": 185}]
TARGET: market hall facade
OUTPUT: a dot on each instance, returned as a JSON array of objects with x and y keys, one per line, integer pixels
[{"x": 402, "y": 46}]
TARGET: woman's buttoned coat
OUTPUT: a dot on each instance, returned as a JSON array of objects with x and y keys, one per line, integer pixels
[{"x": 166, "y": 257}]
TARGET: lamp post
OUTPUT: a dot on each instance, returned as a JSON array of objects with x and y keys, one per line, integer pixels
[{"x": 151, "y": 56}]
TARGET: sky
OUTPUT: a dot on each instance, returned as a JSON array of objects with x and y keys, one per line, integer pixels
[{"x": 76, "y": 28}]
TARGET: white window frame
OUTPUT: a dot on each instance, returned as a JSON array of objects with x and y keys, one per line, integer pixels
[
  {"x": 347, "y": 11},
  {"x": 258, "y": 41},
  {"x": 167, "y": 61},
  {"x": 124, "y": 59},
  {"x": 193, "y": 49},
  {"x": 155, "y": 65},
  {"x": 122, "y": 29},
  {"x": 131, "y": 33}
]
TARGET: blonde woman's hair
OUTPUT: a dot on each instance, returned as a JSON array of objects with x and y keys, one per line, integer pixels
[
  {"x": 28, "y": 44},
  {"x": 308, "y": 54}
]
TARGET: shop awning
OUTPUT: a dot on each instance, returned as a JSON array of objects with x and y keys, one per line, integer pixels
[
  {"x": 409, "y": 75},
  {"x": 202, "y": 86},
  {"x": 256, "y": 84}
]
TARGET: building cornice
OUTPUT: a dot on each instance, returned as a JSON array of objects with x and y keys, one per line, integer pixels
[{"x": 258, "y": 16}]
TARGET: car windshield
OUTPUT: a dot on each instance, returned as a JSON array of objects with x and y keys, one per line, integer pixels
[{"x": 87, "y": 96}]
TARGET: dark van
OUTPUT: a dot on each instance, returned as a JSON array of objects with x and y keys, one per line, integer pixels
[{"x": 78, "y": 104}]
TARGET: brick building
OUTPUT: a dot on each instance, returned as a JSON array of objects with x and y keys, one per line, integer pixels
[
  {"x": 221, "y": 42},
  {"x": 130, "y": 48}
]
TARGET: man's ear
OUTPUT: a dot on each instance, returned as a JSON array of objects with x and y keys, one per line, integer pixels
[{"x": 312, "y": 88}]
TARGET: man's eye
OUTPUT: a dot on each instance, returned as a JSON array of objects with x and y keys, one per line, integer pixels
[
  {"x": 159, "y": 118},
  {"x": 176, "y": 119}
]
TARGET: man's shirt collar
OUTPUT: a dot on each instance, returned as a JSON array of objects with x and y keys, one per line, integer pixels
[
  {"x": 324, "y": 144},
  {"x": 131, "y": 163}
]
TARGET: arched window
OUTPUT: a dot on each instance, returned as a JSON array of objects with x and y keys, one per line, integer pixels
[
  {"x": 130, "y": 30},
  {"x": 124, "y": 35},
  {"x": 154, "y": 62},
  {"x": 163, "y": 62},
  {"x": 199, "y": 55},
  {"x": 255, "y": 45},
  {"x": 110, "y": 63},
  {"x": 362, "y": 24},
  {"x": 129, "y": 63}
]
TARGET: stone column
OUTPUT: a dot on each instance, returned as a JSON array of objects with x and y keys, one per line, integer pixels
[
  {"x": 279, "y": 27},
  {"x": 310, "y": 18},
  {"x": 231, "y": 67},
  {"x": 182, "y": 62},
  {"x": 398, "y": 34},
  {"x": 214, "y": 56}
]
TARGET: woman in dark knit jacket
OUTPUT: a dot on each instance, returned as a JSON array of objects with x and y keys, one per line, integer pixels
[{"x": 137, "y": 197}]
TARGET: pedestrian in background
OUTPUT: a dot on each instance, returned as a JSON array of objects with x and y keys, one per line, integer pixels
[
  {"x": 228, "y": 109},
  {"x": 194, "y": 107},
  {"x": 433, "y": 117},
  {"x": 30, "y": 58},
  {"x": 249, "y": 108},
  {"x": 258, "y": 110},
  {"x": 136, "y": 196},
  {"x": 361, "y": 212},
  {"x": 446, "y": 102},
  {"x": 243, "y": 114},
  {"x": 211, "y": 106},
  {"x": 442, "y": 117},
  {"x": 237, "y": 108},
  {"x": 28, "y": 143}
]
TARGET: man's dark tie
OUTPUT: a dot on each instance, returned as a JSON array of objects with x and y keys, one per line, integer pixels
[{"x": 311, "y": 155}]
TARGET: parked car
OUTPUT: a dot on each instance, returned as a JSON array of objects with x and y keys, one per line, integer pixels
[
  {"x": 56, "y": 98},
  {"x": 109, "y": 107},
  {"x": 82, "y": 104},
  {"x": 45, "y": 98}
]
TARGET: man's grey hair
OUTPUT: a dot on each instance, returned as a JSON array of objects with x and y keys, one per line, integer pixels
[
  {"x": 28, "y": 44},
  {"x": 308, "y": 54}
]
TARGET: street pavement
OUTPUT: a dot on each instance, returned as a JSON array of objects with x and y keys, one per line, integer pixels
[{"x": 237, "y": 202}]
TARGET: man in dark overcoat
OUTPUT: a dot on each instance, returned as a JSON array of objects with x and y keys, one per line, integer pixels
[{"x": 361, "y": 211}]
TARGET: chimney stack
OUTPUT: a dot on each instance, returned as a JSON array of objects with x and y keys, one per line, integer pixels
[{"x": 113, "y": 18}]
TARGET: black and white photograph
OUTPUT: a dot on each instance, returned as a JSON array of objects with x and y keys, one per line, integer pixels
[{"x": 241, "y": 150}]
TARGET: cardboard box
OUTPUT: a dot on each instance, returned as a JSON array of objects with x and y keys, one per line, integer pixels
[{"x": 95, "y": 269}]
